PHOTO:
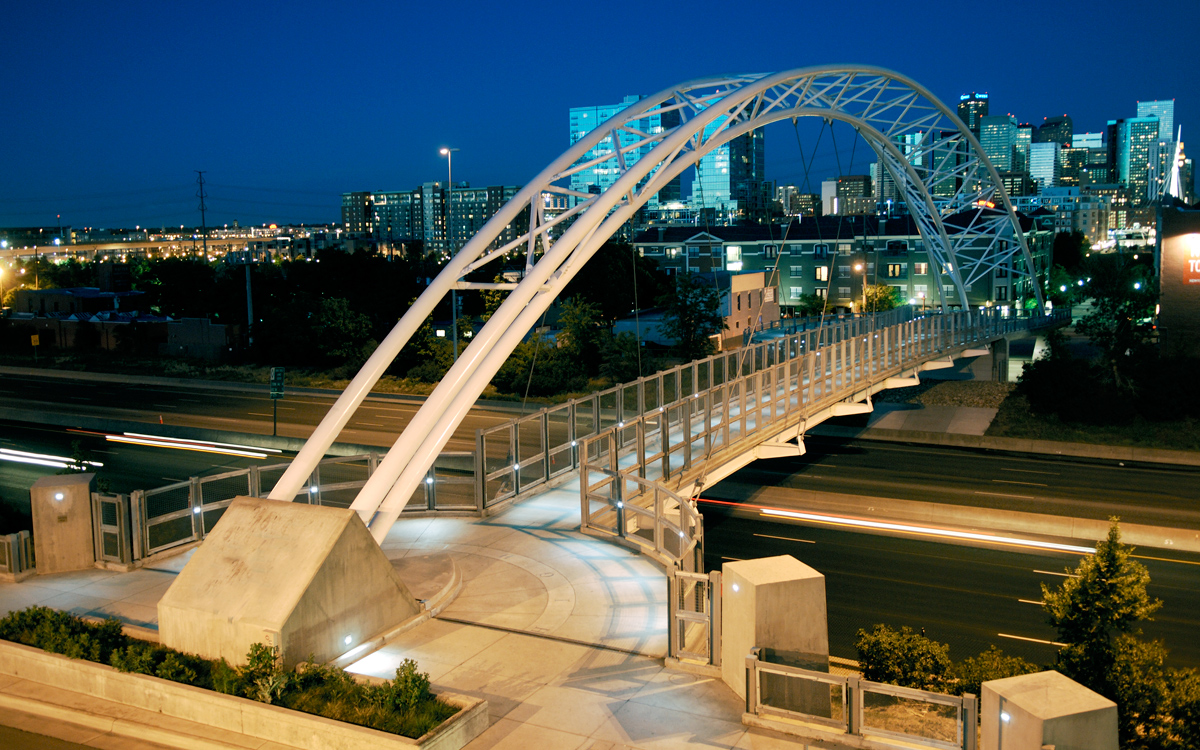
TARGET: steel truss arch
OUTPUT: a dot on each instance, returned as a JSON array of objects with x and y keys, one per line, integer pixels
[{"x": 953, "y": 192}]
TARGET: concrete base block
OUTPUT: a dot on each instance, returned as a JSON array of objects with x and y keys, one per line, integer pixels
[
  {"x": 307, "y": 579},
  {"x": 62, "y": 523},
  {"x": 1032, "y": 711},
  {"x": 776, "y": 604}
]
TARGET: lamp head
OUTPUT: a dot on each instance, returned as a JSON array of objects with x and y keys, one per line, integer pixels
[{"x": 444, "y": 152}]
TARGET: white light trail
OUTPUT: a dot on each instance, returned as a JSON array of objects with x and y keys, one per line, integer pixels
[
  {"x": 183, "y": 446},
  {"x": 43, "y": 459},
  {"x": 205, "y": 443},
  {"x": 927, "y": 530}
]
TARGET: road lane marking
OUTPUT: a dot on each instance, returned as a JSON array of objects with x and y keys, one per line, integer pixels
[
  {"x": 1166, "y": 559},
  {"x": 369, "y": 424},
  {"x": 1005, "y": 494},
  {"x": 1028, "y": 484},
  {"x": 1052, "y": 573},
  {"x": 1031, "y": 640},
  {"x": 1030, "y": 471},
  {"x": 258, "y": 414},
  {"x": 165, "y": 406},
  {"x": 788, "y": 538},
  {"x": 1030, "y": 601}
]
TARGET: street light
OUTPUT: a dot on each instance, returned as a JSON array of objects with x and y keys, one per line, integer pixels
[
  {"x": 860, "y": 267},
  {"x": 449, "y": 154}
]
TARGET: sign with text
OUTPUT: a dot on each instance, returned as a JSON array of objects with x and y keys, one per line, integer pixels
[
  {"x": 1191, "y": 265},
  {"x": 276, "y": 382},
  {"x": 35, "y": 340}
]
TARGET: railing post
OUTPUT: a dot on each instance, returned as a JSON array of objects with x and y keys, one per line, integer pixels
[
  {"x": 195, "y": 505},
  {"x": 970, "y": 723},
  {"x": 853, "y": 705},
  {"x": 137, "y": 513},
  {"x": 254, "y": 482},
  {"x": 672, "y": 607},
  {"x": 752, "y": 682},
  {"x": 714, "y": 617},
  {"x": 480, "y": 473},
  {"x": 431, "y": 488}
]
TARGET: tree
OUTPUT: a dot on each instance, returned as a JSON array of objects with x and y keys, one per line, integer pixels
[
  {"x": 812, "y": 304},
  {"x": 1104, "y": 597},
  {"x": 1124, "y": 296},
  {"x": 1068, "y": 250},
  {"x": 691, "y": 315},
  {"x": 342, "y": 336},
  {"x": 881, "y": 298},
  {"x": 992, "y": 664},
  {"x": 581, "y": 329},
  {"x": 610, "y": 278}
]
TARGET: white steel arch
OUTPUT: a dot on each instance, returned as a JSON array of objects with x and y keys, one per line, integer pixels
[{"x": 951, "y": 189}]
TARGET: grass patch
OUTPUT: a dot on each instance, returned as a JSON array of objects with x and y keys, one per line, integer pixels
[
  {"x": 404, "y": 705},
  {"x": 1016, "y": 419}
]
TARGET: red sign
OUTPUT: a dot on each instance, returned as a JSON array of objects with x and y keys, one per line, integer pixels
[{"x": 1191, "y": 267}]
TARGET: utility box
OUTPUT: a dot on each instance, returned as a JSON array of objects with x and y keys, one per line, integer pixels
[
  {"x": 63, "y": 535},
  {"x": 1033, "y": 711},
  {"x": 776, "y": 604}
]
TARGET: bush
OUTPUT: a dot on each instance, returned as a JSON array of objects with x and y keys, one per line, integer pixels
[
  {"x": 993, "y": 664},
  {"x": 902, "y": 657},
  {"x": 403, "y": 706}
]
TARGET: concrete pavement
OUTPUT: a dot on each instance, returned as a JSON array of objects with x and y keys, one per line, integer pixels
[{"x": 563, "y": 634}]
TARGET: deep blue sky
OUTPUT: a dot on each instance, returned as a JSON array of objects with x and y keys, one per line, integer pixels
[{"x": 110, "y": 106}]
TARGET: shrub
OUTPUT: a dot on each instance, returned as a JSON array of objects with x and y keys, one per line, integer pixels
[
  {"x": 409, "y": 688},
  {"x": 992, "y": 664},
  {"x": 902, "y": 657}
]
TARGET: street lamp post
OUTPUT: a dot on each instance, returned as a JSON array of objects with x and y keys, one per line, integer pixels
[
  {"x": 449, "y": 154},
  {"x": 863, "y": 270}
]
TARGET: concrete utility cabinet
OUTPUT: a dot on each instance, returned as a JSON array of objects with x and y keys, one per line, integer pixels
[
  {"x": 777, "y": 604},
  {"x": 307, "y": 579},
  {"x": 62, "y": 523},
  {"x": 1033, "y": 711}
]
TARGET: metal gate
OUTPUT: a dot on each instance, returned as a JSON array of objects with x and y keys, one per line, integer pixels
[{"x": 694, "y": 616}]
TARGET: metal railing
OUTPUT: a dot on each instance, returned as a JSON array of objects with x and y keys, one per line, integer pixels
[
  {"x": 859, "y": 707},
  {"x": 16, "y": 553},
  {"x": 784, "y": 384},
  {"x": 132, "y": 527},
  {"x": 694, "y": 616}
]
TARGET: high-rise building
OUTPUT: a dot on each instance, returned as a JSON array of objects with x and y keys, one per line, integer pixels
[
  {"x": 584, "y": 120},
  {"x": 854, "y": 195},
  {"x": 884, "y": 187},
  {"x": 1021, "y": 149},
  {"x": 730, "y": 179},
  {"x": 795, "y": 203},
  {"x": 972, "y": 108},
  {"x": 1087, "y": 140},
  {"x": 1165, "y": 112},
  {"x": 1045, "y": 164},
  {"x": 1073, "y": 162},
  {"x": 946, "y": 157},
  {"x": 998, "y": 136},
  {"x": 1058, "y": 129},
  {"x": 1017, "y": 184},
  {"x": 395, "y": 216},
  {"x": 1129, "y": 144}
]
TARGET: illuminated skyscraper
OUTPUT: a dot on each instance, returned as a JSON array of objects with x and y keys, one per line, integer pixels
[
  {"x": 1165, "y": 112},
  {"x": 972, "y": 108},
  {"x": 1130, "y": 142},
  {"x": 598, "y": 178},
  {"x": 998, "y": 136}
]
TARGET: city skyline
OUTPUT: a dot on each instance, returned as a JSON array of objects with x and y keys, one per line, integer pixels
[{"x": 286, "y": 113}]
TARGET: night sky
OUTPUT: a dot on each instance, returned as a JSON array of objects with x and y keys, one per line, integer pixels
[{"x": 109, "y": 107}]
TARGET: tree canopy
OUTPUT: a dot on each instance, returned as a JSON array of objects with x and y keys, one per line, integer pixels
[{"x": 692, "y": 315}]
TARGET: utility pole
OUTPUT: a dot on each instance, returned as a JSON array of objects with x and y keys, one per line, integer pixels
[{"x": 203, "y": 208}]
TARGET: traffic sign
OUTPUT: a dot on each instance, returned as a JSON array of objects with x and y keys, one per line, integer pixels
[
  {"x": 276, "y": 382},
  {"x": 35, "y": 339}
]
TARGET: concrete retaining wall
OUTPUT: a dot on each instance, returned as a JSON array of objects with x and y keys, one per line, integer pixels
[{"x": 230, "y": 713}]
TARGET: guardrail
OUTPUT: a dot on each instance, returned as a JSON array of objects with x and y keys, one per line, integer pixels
[
  {"x": 132, "y": 527},
  {"x": 16, "y": 553},
  {"x": 854, "y": 706},
  {"x": 786, "y": 384}
]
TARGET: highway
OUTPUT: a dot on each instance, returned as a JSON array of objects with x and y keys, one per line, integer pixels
[
  {"x": 966, "y": 595},
  {"x": 236, "y": 408},
  {"x": 969, "y": 596},
  {"x": 1158, "y": 495}
]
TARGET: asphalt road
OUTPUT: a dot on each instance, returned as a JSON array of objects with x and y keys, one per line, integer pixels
[
  {"x": 969, "y": 596},
  {"x": 377, "y": 422},
  {"x": 1158, "y": 495}
]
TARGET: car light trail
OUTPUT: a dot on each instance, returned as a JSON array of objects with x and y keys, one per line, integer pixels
[
  {"x": 864, "y": 523},
  {"x": 205, "y": 443},
  {"x": 183, "y": 446},
  {"x": 43, "y": 459}
]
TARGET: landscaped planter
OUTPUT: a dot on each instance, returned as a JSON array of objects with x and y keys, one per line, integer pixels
[{"x": 232, "y": 713}]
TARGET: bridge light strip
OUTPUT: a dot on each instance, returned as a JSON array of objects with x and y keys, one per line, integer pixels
[
  {"x": 927, "y": 530},
  {"x": 183, "y": 446},
  {"x": 42, "y": 459}
]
